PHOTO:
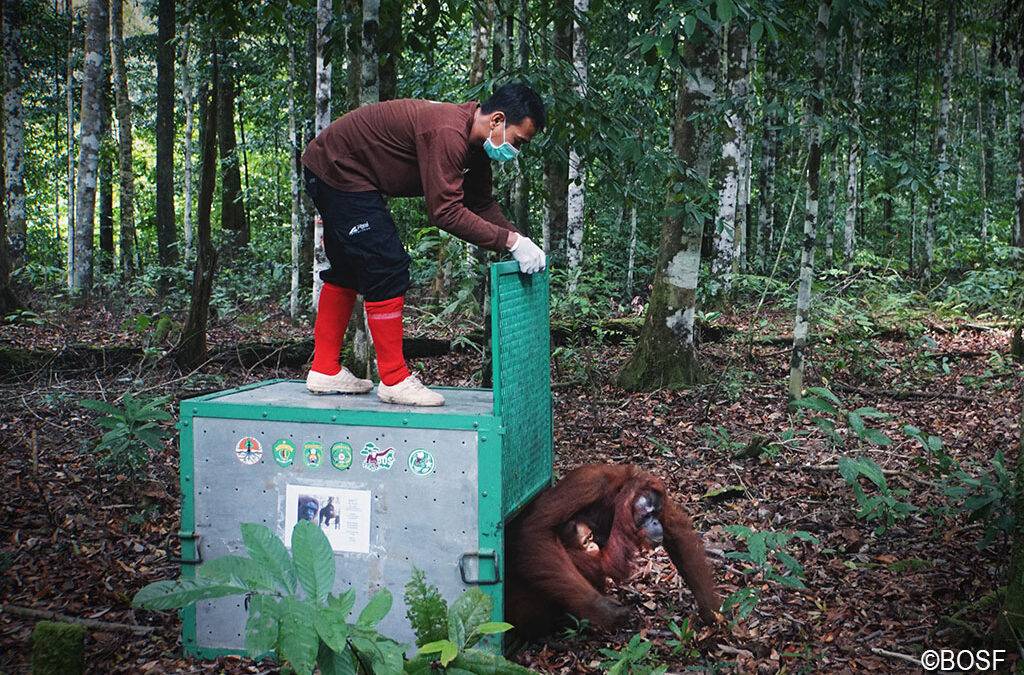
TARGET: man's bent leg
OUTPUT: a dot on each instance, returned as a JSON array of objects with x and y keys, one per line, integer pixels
[{"x": 396, "y": 384}]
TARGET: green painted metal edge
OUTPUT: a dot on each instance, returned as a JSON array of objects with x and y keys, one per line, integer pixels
[
  {"x": 187, "y": 530},
  {"x": 490, "y": 523},
  {"x": 245, "y": 411},
  {"x": 227, "y": 392}
]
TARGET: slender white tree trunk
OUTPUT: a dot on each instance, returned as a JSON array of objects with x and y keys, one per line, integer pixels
[
  {"x": 321, "y": 119},
  {"x": 853, "y": 164},
  {"x": 829, "y": 220},
  {"x": 14, "y": 131},
  {"x": 369, "y": 92},
  {"x": 187, "y": 94},
  {"x": 734, "y": 138},
  {"x": 981, "y": 78},
  {"x": 1017, "y": 238},
  {"x": 576, "y": 194},
  {"x": 293, "y": 181},
  {"x": 69, "y": 128},
  {"x": 942, "y": 129},
  {"x": 769, "y": 146},
  {"x": 631, "y": 264},
  {"x": 124, "y": 134},
  {"x": 815, "y": 107},
  {"x": 89, "y": 144}
]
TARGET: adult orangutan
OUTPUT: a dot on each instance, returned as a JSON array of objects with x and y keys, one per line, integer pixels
[{"x": 586, "y": 529}]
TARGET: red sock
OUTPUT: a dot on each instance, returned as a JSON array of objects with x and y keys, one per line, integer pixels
[
  {"x": 332, "y": 314},
  {"x": 385, "y": 319}
]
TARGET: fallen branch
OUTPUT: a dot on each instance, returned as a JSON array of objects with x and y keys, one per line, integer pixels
[
  {"x": 31, "y": 613},
  {"x": 896, "y": 655},
  {"x": 902, "y": 395}
]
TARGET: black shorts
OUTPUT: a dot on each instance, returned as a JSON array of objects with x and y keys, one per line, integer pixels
[{"x": 361, "y": 241}]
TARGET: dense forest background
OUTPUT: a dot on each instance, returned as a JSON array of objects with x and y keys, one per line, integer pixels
[{"x": 786, "y": 243}]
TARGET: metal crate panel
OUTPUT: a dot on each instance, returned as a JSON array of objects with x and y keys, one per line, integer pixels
[
  {"x": 424, "y": 520},
  {"x": 521, "y": 338},
  {"x": 292, "y": 394}
]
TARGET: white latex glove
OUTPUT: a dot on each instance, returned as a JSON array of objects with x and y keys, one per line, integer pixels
[{"x": 530, "y": 257}]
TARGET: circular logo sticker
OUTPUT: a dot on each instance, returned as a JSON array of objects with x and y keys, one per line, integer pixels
[
  {"x": 421, "y": 462},
  {"x": 313, "y": 453},
  {"x": 341, "y": 456},
  {"x": 284, "y": 452},
  {"x": 248, "y": 450}
]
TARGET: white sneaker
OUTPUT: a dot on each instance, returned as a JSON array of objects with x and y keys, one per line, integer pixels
[
  {"x": 342, "y": 383},
  {"x": 409, "y": 391}
]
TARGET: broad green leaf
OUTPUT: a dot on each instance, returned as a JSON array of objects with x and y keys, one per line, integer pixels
[
  {"x": 376, "y": 609},
  {"x": 448, "y": 652},
  {"x": 336, "y": 663},
  {"x": 486, "y": 663},
  {"x": 724, "y": 10},
  {"x": 876, "y": 437},
  {"x": 825, "y": 394},
  {"x": 689, "y": 24},
  {"x": 238, "y": 571},
  {"x": 434, "y": 647},
  {"x": 175, "y": 594},
  {"x": 493, "y": 628},
  {"x": 471, "y": 609},
  {"x": 299, "y": 643},
  {"x": 856, "y": 423},
  {"x": 313, "y": 560},
  {"x": 261, "y": 628},
  {"x": 266, "y": 549},
  {"x": 342, "y": 604},
  {"x": 756, "y": 31},
  {"x": 814, "y": 403},
  {"x": 872, "y": 412},
  {"x": 101, "y": 407},
  {"x": 332, "y": 628}
]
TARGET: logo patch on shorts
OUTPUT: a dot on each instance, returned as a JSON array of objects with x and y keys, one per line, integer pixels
[{"x": 361, "y": 227}]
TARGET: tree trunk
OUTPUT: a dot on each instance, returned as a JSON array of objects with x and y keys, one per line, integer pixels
[
  {"x": 166, "y": 232},
  {"x": 915, "y": 253},
  {"x": 631, "y": 260},
  {"x": 769, "y": 148},
  {"x": 124, "y": 135},
  {"x": 186, "y": 95},
  {"x": 192, "y": 348},
  {"x": 829, "y": 221},
  {"x": 483, "y": 20},
  {"x": 853, "y": 159},
  {"x": 665, "y": 354},
  {"x": 369, "y": 91},
  {"x": 521, "y": 187},
  {"x": 14, "y": 131},
  {"x": 321, "y": 119},
  {"x": 392, "y": 43},
  {"x": 232, "y": 206},
  {"x": 556, "y": 167},
  {"x": 89, "y": 145},
  {"x": 576, "y": 193},
  {"x": 722, "y": 266},
  {"x": 8, "y": 301},
  {"x": 106, "y": 179},
  {"x": 938, "y": 204},
  {"x": 354, "y": 47},
  {"x": 815, "y": 107},
  {"x": 294, "y": 167},
  {"x": 1017, "y": 238},
  {"x": 69, "y": 127}
]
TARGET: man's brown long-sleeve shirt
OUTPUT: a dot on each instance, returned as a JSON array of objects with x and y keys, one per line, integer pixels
[{"x": 411, "y": 147}]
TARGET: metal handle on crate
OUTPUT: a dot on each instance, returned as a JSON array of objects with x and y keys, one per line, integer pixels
[
  {"x": 194, "y": 538},
  {"x": 479, "y": 555}
]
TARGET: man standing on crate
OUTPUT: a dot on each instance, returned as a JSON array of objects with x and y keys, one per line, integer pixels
[{"x": 405, "y": 148}]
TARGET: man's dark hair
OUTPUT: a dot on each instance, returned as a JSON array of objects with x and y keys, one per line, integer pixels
[{"x": 517, "y": 101}]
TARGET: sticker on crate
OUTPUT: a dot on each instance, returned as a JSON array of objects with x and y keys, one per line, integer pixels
[
  {"x": 249, "y": 450},
  {"x": 342, "y": 514},
  {"x": 313, "y": 454},
  {"x": 375, "y": 459},
  {"x": 284, "y": 451},
  {"x": 341, "y": 456},
  {"x": 421, "y": 462}
]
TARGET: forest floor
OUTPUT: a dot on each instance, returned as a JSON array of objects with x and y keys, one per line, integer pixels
[{"x": 80, "y": 539}]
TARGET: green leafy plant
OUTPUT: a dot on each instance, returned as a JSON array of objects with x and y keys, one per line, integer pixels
[
  {"x": 884, "y": 506},
  {"x": 132, "y": 430},
  {"x": 578, "y": 628},
  {"x": 306, "y": 629},
  {"x": 988, "y": 497},
  {"x": 467, "y": 624},
  {"x": 682, "y": 638},
  {"x": 635, "y": 658},
  {"x": 427, "y": 610},
  {"x": 832, "y": 417},
  {"x": 766, "y": 550},
  {"x": 25, "y": 317},
  {"x": 719, "y": 437}
]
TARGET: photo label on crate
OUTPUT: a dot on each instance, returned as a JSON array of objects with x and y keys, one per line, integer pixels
[{"x": 343, "y": 515}]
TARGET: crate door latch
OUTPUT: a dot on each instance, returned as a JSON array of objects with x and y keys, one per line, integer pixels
[{"x": 472, "y": 568}]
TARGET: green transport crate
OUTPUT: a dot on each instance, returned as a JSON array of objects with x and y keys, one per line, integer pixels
[{"x": 392, "y": 487}]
